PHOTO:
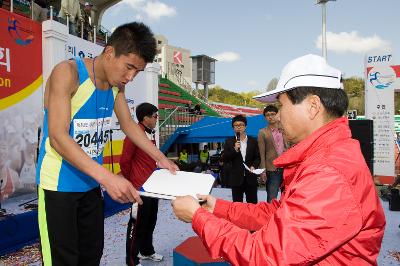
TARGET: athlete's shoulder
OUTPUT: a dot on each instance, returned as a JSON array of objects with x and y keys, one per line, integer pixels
[{"x": 65, "y": 71}]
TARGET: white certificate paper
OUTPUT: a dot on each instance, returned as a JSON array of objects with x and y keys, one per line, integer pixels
[
  {"x": 164, "y": 185},
  {"x": 255, "y": 171}
]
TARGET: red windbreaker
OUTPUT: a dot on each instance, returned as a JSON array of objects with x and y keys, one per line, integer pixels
[
  {"x": 136, "y": 165},
  {"x": 329, "y": 213}
]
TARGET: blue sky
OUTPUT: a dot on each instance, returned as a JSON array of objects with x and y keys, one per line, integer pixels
[{"x": 254, "y": 39}]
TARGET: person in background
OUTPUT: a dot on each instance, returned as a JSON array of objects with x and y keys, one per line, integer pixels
[
  {"x": 56, "y": 4},
  {"x": 224, "y": 173},
  {"x": 204, "y": 158},
  {"x": 271, "y": 144},
  {"x": 329, "y": 212},
  {"x": 197, "y": 109},
  {"x": 189, "y": 108},
  {"x": 71, "y": 9},
  {"x": 239, "y": 150},
  {"x": 40, "y": 10},
  {"x": 137, "y": 166},
  {"x": 87, "y": 22},
  {"x": 183, "y": 157}
]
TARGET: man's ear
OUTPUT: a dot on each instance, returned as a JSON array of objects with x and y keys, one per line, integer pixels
[
  {"x": 314, "y": 106},
  {"x": 109, "y": 52}
]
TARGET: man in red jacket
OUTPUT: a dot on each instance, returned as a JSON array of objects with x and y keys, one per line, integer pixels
[
  {"x": 329, "y": 212},
  {"x": 137, "y": 166}
]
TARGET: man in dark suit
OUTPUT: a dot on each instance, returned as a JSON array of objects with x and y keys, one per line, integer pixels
[{"x": 238, "y": 150}]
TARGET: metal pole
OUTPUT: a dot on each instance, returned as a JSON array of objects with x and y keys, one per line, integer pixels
[
  {"x": 94, "y": 34},
  {"x": 68, "y": 22},
  {"x": 32, "y": 9},
  {"x": 11, "y": 6},
  {"x": 206, "y": 91},
  {"x": 81, "y": 28},
  {"x": 51, "y": 12},
  {"x": 323, "y": 6}
]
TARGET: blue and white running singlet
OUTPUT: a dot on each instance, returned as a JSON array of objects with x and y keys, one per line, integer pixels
[{"x": 91, "y": 113}]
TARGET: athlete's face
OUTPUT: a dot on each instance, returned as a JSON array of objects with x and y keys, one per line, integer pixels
[{"x": 124, "y": 68}]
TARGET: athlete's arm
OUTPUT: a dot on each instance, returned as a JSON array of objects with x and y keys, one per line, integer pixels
[
  {"x": 136, "y": 134},
  {"x": 60, "y": 87}
]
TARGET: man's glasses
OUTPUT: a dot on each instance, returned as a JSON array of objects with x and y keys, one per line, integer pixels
[
  {"x": 270, "y": 114},
  {"x": 239, "y": 125}
]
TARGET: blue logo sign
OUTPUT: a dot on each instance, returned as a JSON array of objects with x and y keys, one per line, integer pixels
[{"x": 382, "y": 79}]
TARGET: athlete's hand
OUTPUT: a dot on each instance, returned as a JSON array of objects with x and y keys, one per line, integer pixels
[
  {"x": 121, "y": 190},
  {"x": 168, "y": 164}
]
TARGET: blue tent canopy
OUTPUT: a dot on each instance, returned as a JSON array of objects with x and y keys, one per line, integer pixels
[
  {"x": 217, "y": 129},
  {"x": 213, "y": 129}
]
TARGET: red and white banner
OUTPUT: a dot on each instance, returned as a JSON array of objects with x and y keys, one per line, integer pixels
[{"x": 20, "y": 102}]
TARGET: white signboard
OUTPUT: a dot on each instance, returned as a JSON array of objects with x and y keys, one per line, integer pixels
[{"x": 380, "y": 81}]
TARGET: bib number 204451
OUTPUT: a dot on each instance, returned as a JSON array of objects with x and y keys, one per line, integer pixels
[{"x": 92, "y": 134}]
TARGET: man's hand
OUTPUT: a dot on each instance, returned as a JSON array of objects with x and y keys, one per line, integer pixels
[
  {"x": 168, "y": 164},
  {"x": 185, "y": 208},
  {"x": 263, "y": 177},
  {"x": 121, "y": 190},
  {"x": 237, "y": 146},
  {"x": 209, "y": 202}
]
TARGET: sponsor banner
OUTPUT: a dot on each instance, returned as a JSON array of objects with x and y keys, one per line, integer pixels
[
  {"x": 20, "y": 102},
  {"x": 177, "y": 57},
  {"x": 381, "y": 79},
  {"x": 177, "y": 62},
  {"x": 20, "y": 58},
  {"x": 79, "y": 47}
]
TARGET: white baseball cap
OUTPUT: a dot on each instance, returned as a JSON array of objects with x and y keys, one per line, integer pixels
[{"x": 306, "y": 71}]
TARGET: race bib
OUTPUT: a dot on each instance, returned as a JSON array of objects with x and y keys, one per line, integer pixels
[{"x": 92, "y": 134}]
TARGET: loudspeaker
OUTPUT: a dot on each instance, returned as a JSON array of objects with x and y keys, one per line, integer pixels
[
  {"x": 394, "y": 201},
  {"x": 363, "y": 131}
]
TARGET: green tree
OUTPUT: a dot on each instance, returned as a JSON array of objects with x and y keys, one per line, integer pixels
[
  {"x": 354, "y": 88},
  {"x": 219, "y": 94}
]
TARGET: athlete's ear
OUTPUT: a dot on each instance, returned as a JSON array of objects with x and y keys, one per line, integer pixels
[{"x": 109, "y": 52}]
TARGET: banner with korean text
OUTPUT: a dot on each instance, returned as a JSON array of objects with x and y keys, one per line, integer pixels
[
  {"x": 381, "y": 80},
  {"x": 20, "y": 102}
]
